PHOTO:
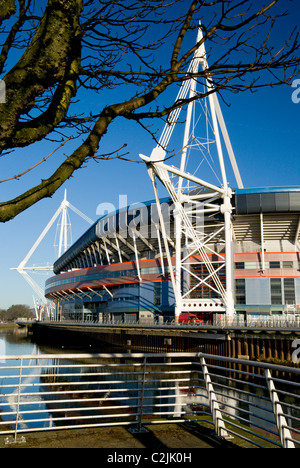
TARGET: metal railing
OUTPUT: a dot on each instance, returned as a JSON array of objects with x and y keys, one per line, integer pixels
[
  {"x": 256, "y": 404},
  {"x": 291, "y": 323}
]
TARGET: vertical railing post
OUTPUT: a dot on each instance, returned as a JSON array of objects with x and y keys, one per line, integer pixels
[
  {"x": 18, "y": 399},
  {"x": 214, "y": 405},
  {"x": 15, "y": 439},
  {"x": 141, "y": 405},
  {"x": 141, "y": 410},
  {"x": 281, "y": 422}
]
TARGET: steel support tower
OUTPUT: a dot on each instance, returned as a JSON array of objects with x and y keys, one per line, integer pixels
[
  {"x": 192, "y": 208},
  {"x": 63, "y": 228}
]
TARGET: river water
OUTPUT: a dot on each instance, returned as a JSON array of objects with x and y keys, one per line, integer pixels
[
  {"x": 66, "y": 391},
  {"x": 17, "y": 342}
]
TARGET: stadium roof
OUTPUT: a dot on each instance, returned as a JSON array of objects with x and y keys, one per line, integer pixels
[
  {"x": 268, "y": 200},
  {"x": 250, "y": 201}
]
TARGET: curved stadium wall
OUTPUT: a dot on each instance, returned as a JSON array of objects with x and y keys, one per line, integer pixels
[{"x": 118, "y": 268}]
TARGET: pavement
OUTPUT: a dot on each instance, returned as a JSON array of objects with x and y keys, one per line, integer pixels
[{"x": 158, "y": 437}]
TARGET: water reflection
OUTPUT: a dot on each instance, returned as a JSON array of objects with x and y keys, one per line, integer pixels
[
  {"x": 116, "y": 390},
  {"x": 16, "y": 342},
  {"x": 77, "y": 393}
]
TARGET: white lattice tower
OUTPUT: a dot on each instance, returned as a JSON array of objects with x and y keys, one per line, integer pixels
[
  {"x": 210, "y": 198},
  {"x": 64, "y": 229}
]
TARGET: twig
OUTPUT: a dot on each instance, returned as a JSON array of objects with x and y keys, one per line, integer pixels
[{"x": 31, "y": 168}]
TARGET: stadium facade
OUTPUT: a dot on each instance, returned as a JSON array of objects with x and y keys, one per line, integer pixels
[{"x": 118, "y": 269}]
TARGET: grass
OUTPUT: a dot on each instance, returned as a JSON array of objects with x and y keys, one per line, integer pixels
[{"x": 8, "y": 326}]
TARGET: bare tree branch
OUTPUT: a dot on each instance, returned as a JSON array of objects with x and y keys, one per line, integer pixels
[
  {"x": 16, "y": 177},
  {"x": 74, "y": 47}
]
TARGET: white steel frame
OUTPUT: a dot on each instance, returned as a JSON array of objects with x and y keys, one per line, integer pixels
[
  {"x": 188, "y": 239},
  {"x": 63, "y": 245}
]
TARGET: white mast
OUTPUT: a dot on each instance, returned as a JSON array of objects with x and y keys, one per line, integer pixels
[
  {"x": 190, "y": 239},
  {"x": 23, "y": 269}
]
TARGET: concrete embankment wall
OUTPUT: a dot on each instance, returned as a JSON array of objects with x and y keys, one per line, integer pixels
[{"x": 245, "y": 343}]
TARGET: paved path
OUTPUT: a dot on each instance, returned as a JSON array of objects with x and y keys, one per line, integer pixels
[{"x": 158, "y": 438}]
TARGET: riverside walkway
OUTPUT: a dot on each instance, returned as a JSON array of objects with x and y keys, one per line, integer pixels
[
  {"x": 255, "y": 340},
  {"x": 158, "y": 438}
]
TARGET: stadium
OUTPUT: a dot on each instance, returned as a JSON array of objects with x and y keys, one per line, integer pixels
[
  {"x": 119, "y": 273},
  {"x": 200, "y": 247}
]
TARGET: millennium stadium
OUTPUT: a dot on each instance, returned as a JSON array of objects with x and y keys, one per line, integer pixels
[
  {"x": 114, "y": 272},
  {"x": 204, "y": 247}
]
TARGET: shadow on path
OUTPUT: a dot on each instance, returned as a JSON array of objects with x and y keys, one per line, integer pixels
[{"x": 207, "y": 435}]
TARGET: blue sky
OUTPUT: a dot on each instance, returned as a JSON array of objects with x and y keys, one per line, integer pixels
[{"x": 264, "y": 132}]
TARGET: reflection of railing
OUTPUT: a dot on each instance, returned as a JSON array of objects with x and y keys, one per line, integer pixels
[{"x": 257, "y": 403}]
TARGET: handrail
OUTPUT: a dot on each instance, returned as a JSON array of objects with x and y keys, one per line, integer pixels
[
  {"x": 232, "y": 324},
  {"x": 76, "y": 356},
  {"x": 57, "y": 391}
]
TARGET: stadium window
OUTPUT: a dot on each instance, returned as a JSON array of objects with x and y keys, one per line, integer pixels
[
  {"x": 274, "y": 264},
  {"x": 251, "y": 265},
  {"x": 157, "y": 294},
  {"x": 287, "y": 264},
  {"x": 289, "y": 291},
  {"x": 240, "y": 291},
  {"x": 276, "y": 291},
  {"x": 240, "y": 265}
]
